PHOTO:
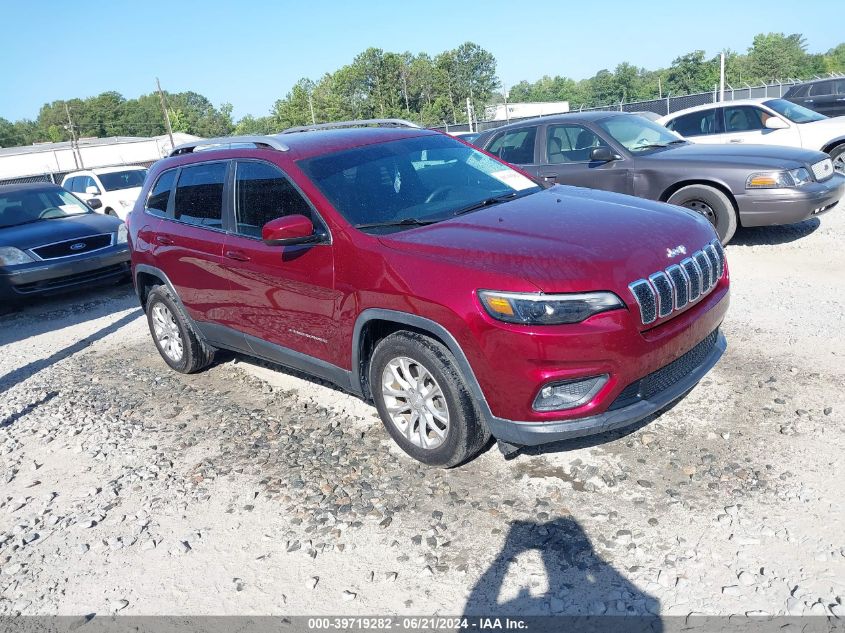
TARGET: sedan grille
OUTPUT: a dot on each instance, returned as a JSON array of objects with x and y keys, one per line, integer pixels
[
  {"x": 76, "y": 246},
  {"x": 823, "y": 169},
  {"x": 680, "y": 284}
]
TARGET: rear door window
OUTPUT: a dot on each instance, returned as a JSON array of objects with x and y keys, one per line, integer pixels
[
  {"x": 199, "y": 195},
  {"x": 743, "y": 119},
  {"x": 515, "y": 146},
  {"x": 160, "y": 194},
  {"x": 699, "y": 123},
  {"x": 822, "y": 88}
]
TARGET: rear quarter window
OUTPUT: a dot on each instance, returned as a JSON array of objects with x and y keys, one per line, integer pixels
[{"x": 160, "y": 194}]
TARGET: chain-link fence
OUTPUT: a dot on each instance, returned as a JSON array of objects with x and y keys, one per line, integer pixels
[
  {"x": 662, "y": 106},
  {"x": 56, "y": 177}
]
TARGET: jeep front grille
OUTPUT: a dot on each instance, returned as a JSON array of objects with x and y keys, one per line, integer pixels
[{"x": 680, "y": 284}]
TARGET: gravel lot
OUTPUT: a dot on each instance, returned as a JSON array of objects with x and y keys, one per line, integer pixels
[{"x": 246, "y": 489}]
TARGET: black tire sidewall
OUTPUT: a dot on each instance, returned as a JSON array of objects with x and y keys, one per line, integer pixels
[
  {"x": 726, "y": 220},
  {"x": 458, "y": 401},
  {"x": 158, "y": 295}
]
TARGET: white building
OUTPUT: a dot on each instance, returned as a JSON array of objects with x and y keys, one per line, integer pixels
[
  {"x": 50, "y": 161},
  {"x": 525, "y": 110}
]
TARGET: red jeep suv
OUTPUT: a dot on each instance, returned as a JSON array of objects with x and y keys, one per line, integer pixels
[{"x": 412, "y": 269}]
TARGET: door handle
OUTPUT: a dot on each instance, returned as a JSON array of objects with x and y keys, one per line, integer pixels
[
  {"x": 736, "y": 140},
  {"x": 239, "y": 256},
  {"x": 548, "y": 176},
  {"x": 164, "y": 240}
]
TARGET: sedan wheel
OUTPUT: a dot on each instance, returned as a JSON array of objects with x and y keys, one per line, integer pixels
[{"x": 837, "y": 154}]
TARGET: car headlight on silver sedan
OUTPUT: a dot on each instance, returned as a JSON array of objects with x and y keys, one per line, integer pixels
[
  {"x": 779, "y": 179},
  {"x": 122, "y": 234},
  {"x": 529, "y": 308},
  {"x": 9, "y": 256}
]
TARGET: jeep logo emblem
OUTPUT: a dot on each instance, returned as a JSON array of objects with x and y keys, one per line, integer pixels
[
  {"x": 78, "y": 246},
  {"x": 674, "y": 252}
]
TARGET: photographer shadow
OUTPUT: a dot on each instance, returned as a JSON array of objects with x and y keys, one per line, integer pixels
[{"x": 581, "y": 589}]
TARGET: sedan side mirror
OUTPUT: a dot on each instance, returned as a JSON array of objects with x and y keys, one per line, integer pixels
[
  {"x": 603, "y": 155},
  {"x": 776, "y": 123},
  {"x": 92, "y": 190},
  {"x": 289, "y": 230},
  {"x": 95, "y": 203}
]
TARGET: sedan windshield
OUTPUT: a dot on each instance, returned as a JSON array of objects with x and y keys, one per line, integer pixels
[
  {"x": 637, "y": 134},
  {"x": 411, "y": 182},
  {"x": 794, "y": 112},
  {"x": 123, "y": 179},
  {"x": 27, "y": 206}
]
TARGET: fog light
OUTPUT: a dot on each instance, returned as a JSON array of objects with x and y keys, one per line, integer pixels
[{"x": 568, "y": 394}]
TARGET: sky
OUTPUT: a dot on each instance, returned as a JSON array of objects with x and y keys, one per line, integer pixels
[{"x": 250, "y": 53}]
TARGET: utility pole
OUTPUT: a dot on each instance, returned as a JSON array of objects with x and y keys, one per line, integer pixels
[
  {"x": 311, "y": 107},
  {"x": 166, "y": 115},
  {"x": 469, "y": 114},
  {"x": 659, "y": 88},
  {"x": 505, "y": 94},
  {"x": 722, "y": 77},
  {"x": 74, "y": 144}
]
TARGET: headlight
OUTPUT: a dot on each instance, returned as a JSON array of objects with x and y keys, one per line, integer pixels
[
  {"x": 778, "y": 179},
  {"x": 9, "y": 256},
  {"x": 122, "y": 234},
  {"x": 539, "y": 309}
]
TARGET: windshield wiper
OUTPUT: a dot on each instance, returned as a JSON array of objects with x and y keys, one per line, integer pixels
[
  {"x": 649, "y": 146},
  {"x": 485, "y": 203},
  {"x": 403, "y": 222}
]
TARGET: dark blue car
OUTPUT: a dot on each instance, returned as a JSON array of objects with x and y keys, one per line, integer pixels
[{"x": 50, "y": 241}]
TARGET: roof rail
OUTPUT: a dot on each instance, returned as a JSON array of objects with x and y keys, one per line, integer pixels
[
  {"x": 357, "y": 123},
  {"x": 227, "y": 142}
]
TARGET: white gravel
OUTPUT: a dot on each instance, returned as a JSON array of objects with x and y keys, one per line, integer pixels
[{"x": 249, "y": 490}]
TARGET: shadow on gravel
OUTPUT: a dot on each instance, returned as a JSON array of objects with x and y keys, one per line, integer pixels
[
  {"x": 773, "y": 235},
  {"x": 59, "y": 311},
  {"x": 578, "y": 582},
  {"x": 30, "y": 369}
]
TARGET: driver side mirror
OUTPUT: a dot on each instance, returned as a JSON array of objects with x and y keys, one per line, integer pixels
[
  {"x": 92, "y": 190},
  {"x": 603, "y": 155},
  {"x": 95, "y": 203},
  {"x": 776, "y": 123},
  {"x": 289, "y": 230}
]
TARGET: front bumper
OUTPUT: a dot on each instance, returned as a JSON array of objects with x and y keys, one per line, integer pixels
[
  {"x": 765, "y": 207},
  {"x": 534, "y": 433},
  {"x": 59, "y": 275}
]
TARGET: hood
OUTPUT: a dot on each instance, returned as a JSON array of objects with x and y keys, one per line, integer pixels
[
  {"x": 57, "y": 230},
  {"x": 825, "y": 130},
  {"x": 752, "y": 156},
  {"x": 130, "y": 195},
  {"x": 563, "y": 239}
]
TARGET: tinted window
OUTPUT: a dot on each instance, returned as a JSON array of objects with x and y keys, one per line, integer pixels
[
  {"x": 123, "y": 179},
  {"x": 199, "y": 195},
  {"x": 70, "y": 184},
  {"x": 84, "y": 182},
  {"x": 839, "y": 87},
  {"x": 744, "y": 119},
  {"x": 821, "y": 88},
  {"x": 694, "y": 124},
  {"x": 798, "y": 91},
  {"x": 160, "y": 194},
  {"x": 516, "y": 146},
  {"x": 571, "y": 143},
  {"x": 263, "y": 193}
]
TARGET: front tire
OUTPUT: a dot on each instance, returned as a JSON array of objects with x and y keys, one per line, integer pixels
[
  {"x": 837, "y": 155},
  {"x": 178, "y": 343},
  {"x": 713, "y": 204},
  {"x": 424, "y": 401}
]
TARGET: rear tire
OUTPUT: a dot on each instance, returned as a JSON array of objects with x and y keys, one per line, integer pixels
[
  {"x": 424, "y": 401},
  {"x": 837, "y": 155},
  {"x": 713, "y": 204},
  {"x": 178, "y": 343}
]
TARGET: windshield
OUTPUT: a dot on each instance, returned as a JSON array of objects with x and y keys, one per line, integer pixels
[
  {"x": 24, "y": 207},
  {"x": 417, "y": 180},
  {"x": 638, "y": 134},
  {"x": 123, "y": 179},
  {"x": 793, "y": 111}
]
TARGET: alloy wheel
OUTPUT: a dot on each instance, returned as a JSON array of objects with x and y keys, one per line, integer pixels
[
  {"x": 167, "y": 332},
  {"x": 415, "y": 402}
]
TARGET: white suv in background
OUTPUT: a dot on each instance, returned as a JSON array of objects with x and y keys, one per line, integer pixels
[
  {"x": 762, "y": 122},
  {"x": 116, "y": 187}
]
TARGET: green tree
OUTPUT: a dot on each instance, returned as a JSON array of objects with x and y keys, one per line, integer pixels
[{"x": 777, "y": 56}]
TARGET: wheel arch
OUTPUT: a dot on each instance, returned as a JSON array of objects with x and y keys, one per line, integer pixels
[
  {"x": 374, "y": 324},
  {"x": 830, "y": 145}
]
